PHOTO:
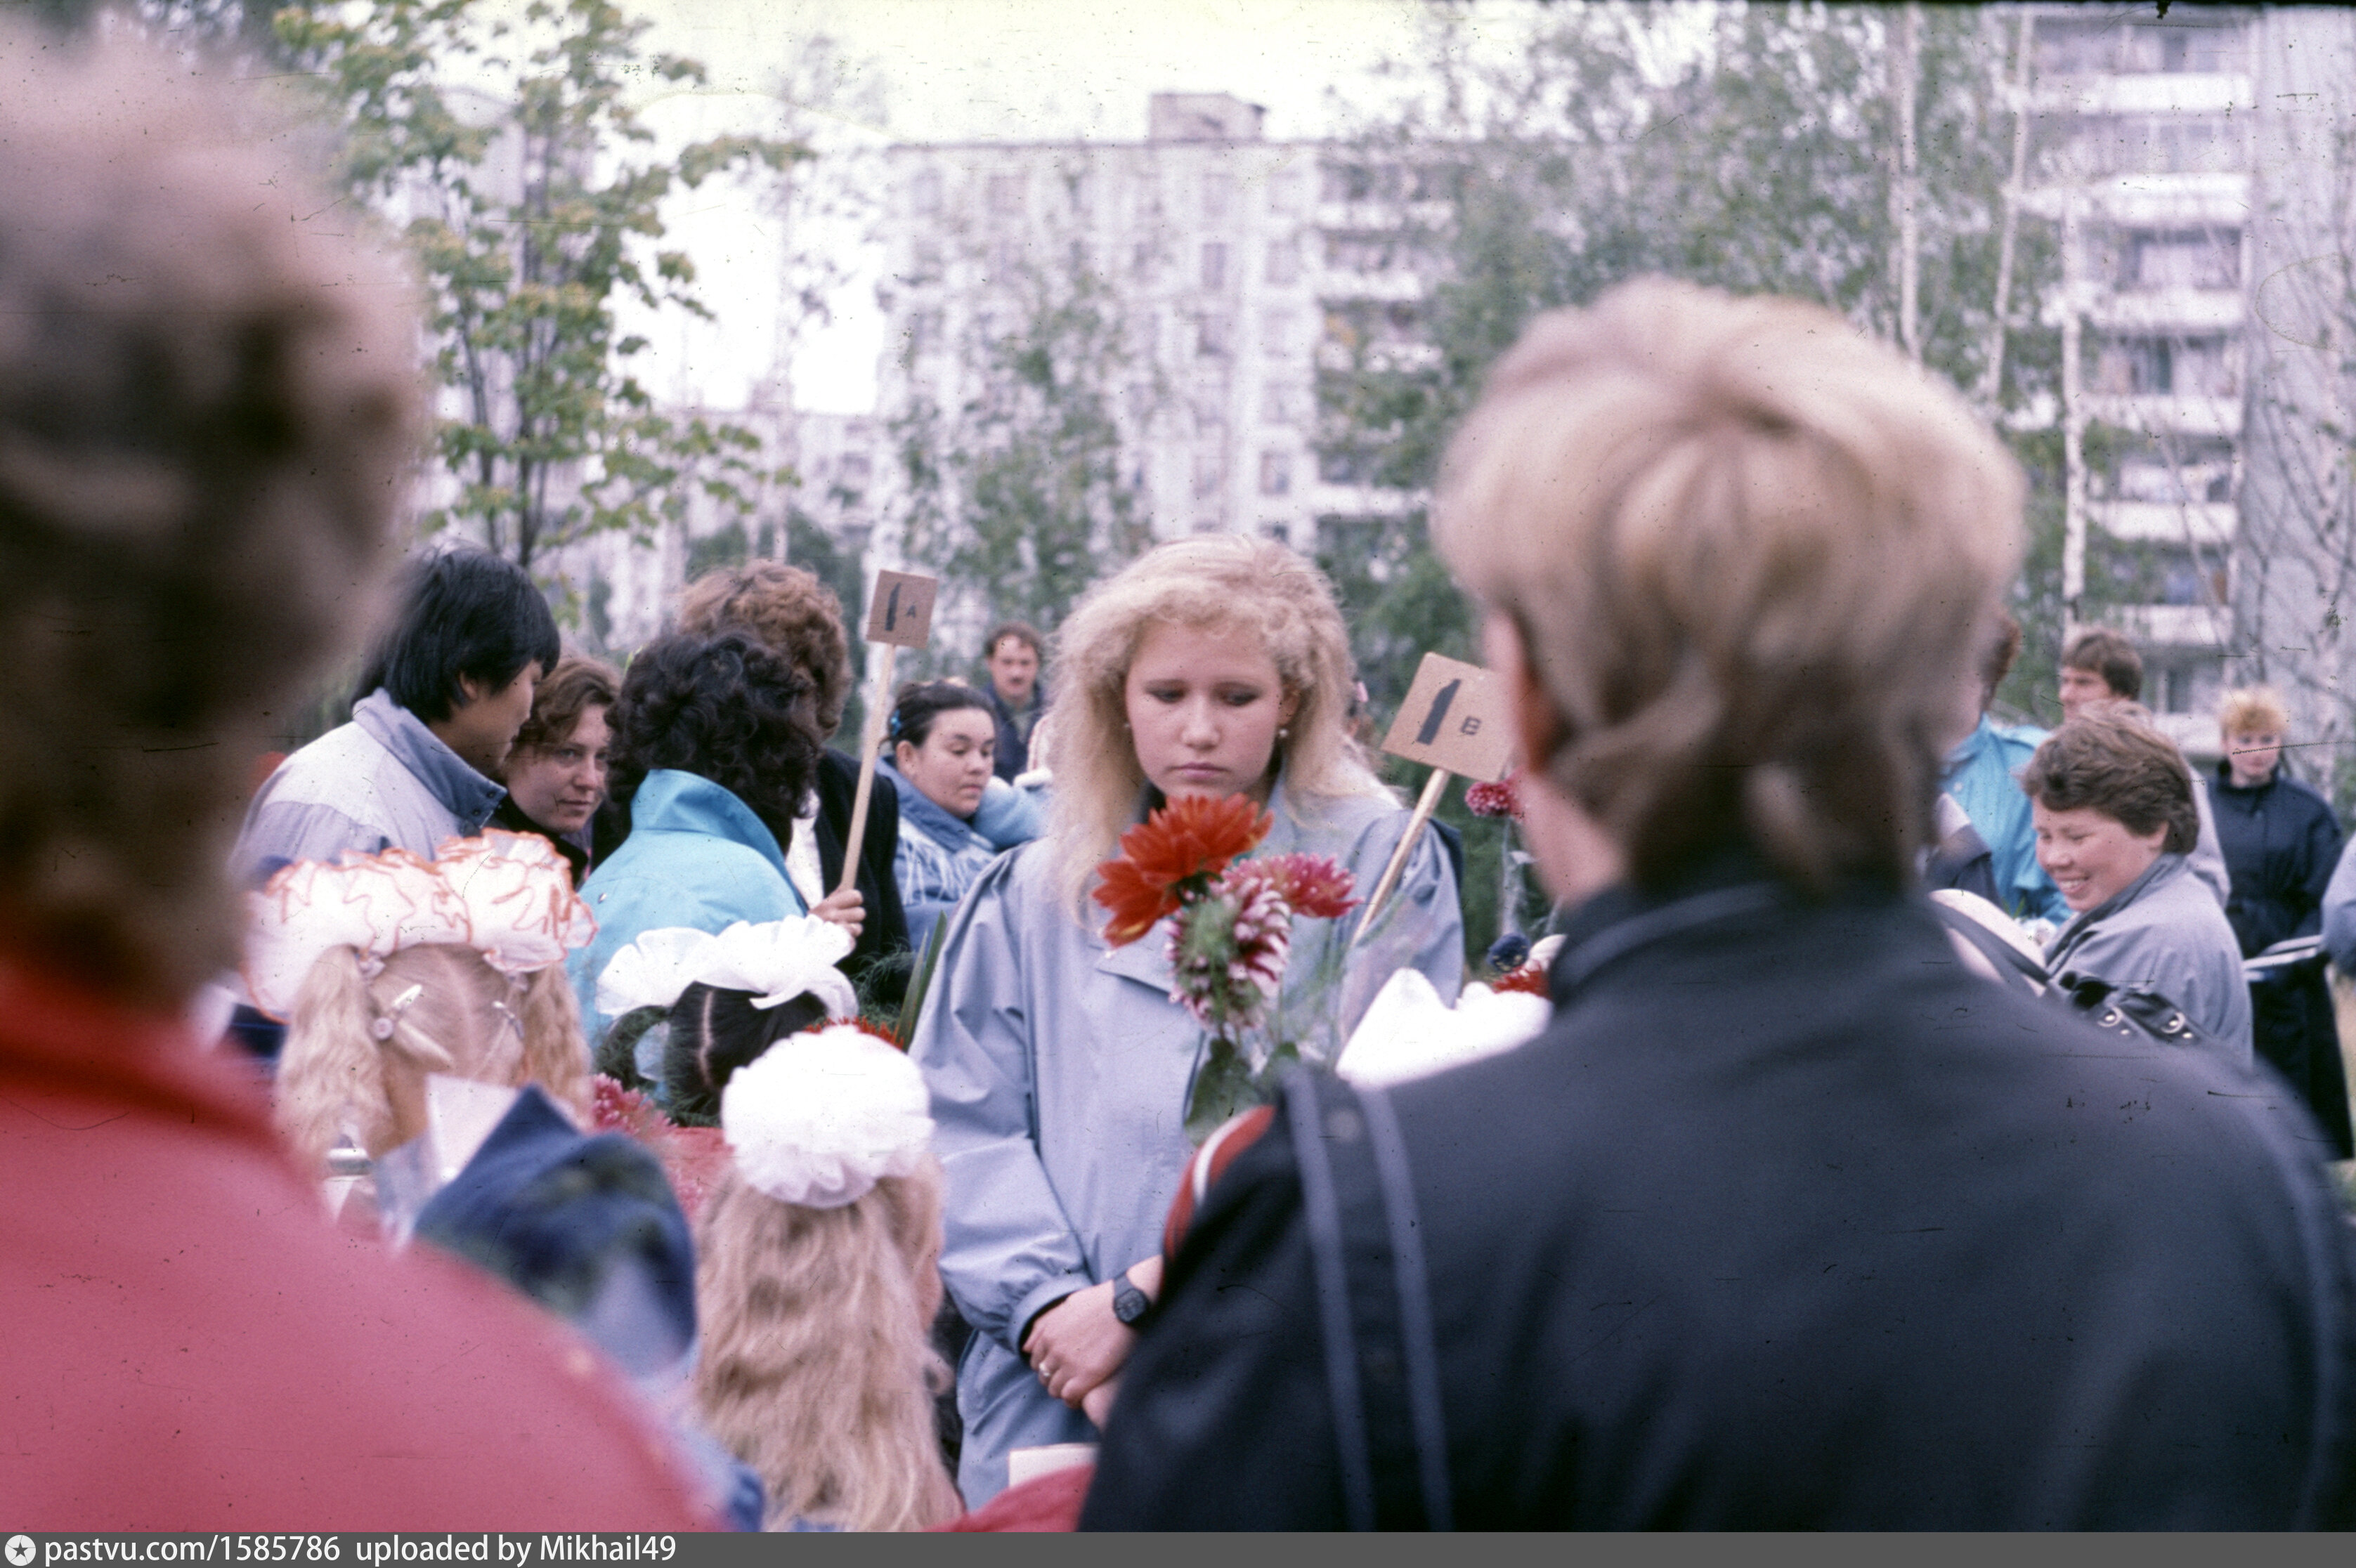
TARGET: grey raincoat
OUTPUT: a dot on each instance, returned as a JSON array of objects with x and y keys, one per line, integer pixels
[{"x": 1059, "y": 1071}]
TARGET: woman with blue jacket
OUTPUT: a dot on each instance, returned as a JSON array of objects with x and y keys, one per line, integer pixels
[
  {"x": 1059, "y": 1065},
  {"x": 710, "y": 753},
  {"x": 955, "y": 815}
]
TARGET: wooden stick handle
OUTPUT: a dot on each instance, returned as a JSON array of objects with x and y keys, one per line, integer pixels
[
  {"x": 879, "y": 714},
  {"x": 1433, "y": 788}
]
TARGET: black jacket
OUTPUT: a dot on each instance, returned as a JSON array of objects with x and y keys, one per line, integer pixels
[
  {"x": 1012, "y": 760},
  {"x": 1788, "y": 1221},
  {"x": 2281, "y": 844},
  {"x": 886, "y": 930}
]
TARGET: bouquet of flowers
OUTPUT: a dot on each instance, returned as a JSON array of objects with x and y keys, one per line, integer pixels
[{"x": 1230, "y": 941}]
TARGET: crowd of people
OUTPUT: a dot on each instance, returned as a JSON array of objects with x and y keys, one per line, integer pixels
[{"x": 1928, "y": 1125}]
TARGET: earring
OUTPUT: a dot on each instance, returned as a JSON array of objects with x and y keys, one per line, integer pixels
[{"x": 1282, "y": 730}]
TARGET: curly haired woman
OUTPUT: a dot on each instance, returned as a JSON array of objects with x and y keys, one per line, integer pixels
[{"x": 713, "y": 752}]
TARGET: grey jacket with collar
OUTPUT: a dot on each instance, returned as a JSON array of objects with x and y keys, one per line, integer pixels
[
  {"x": 2164, "y": 931},
  {"x": 382, "y": 781}
]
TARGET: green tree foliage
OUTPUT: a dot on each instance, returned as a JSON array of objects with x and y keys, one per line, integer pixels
[
  {"x": 1759, "y": 152},
  {"x": 504, "y": 144},
  {"x": 1604, "y": 145},
  {"x": 1019, "y": 493}
]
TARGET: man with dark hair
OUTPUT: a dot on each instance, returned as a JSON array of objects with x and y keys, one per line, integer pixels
[
  {"x": 208, "y": 399},
  {"x": 442, "y": 698},
  {"x": 2099, "y": 665},
  {"x": 1012, "y": 655}
]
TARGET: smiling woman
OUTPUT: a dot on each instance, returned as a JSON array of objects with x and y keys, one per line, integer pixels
[
  {"x": 2114, "y": 821},
  {"x": 1060, "y": 1069}
]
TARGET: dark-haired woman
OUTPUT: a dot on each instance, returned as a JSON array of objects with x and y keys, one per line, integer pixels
[
  {"x": 710, "y": 750},
  {"x": 955, "y": 815},
  {"x": 2114, "y": 821}
]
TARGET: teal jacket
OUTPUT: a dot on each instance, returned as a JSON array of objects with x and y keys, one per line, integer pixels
[{"x": 696, "y": 857}]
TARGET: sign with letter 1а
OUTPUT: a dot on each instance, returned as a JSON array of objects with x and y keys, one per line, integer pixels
[
  {"x": 899, "y": 616},
  {"x": 900, "y": 613},
  {"x": 1454, "y": 718}
]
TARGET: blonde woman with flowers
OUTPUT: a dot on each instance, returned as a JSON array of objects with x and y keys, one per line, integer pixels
[{"x": 1060, "y": 1065}]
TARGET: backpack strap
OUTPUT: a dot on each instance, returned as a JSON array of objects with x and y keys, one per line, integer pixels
[{"x": 1374, "y": 1305}]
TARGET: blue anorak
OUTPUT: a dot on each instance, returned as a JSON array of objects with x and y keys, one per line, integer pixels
[
  {"x": 1059, "y": 1071},
  {"x": 696, "y": 857}
]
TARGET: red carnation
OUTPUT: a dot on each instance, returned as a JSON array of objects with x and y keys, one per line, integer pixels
[{"x": 1180, "y": 846}]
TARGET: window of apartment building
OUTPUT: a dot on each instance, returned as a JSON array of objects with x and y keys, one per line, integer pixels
[
  {"x": 1210, "y": 474},
  {"x": 1359, "y": 181},
  {"x": 1276, "y": 333},
  {"x": 2148, "y": 573},
  {"x": 1278, "y": 529},
  {"x": 1082, "y": 188},
  {"x": 1218, "y": 195},
  {"x": 1005, "y": 192},
  {"x": 1346, "y": 466},
  {"x": 2096, "y": 144},
  {"x": 1284, "y": 193},
  {"x": 924, "y": 193},
  {"x": 1143, "y": 260},
  {"x": 2179, "y": 367},
  {"x": 2179, "y": 259},
  {"x": 1214, "y": 264},
  {"x": 1279, "y": 403},
  {"x": 1358, "y": 252},
  {"x": 1276, "y": 474},
  {"x": 1284, "y": 261},
  {"x": 2167, "y": 470},
  {"x": 2102, "y": 45},
  {"x": 1213, "y": 336}
]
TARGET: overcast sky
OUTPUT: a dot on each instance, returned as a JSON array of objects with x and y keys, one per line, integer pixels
[{"x": 966, "y": 70}]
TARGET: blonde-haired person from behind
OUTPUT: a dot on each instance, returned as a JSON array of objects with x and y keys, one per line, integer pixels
[
  {"x": 1787, "y": 1220},
  {"x": 816, "y": 1272},
  {"x": 1211, "y": 666}
]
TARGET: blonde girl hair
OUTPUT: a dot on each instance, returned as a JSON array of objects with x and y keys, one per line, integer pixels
[
  {"x": 816, "y": 1368},
  {"x": 2252, "y": 709},
  {"x": 1224, "y": 581},
  {"x": 435, "y": 1008}
]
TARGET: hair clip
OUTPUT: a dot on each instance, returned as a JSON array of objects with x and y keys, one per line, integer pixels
[
  {"x": 508, "y": 1014},
  {"x": 381, "y": 1028},
  {"x": 370, "y": 966}
]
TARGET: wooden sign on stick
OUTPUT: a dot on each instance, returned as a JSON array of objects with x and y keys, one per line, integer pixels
[
  {"x": 899, "y": 616},
  {"x": 900, "y": 612},
  {"x": 1453, "y": 720}
]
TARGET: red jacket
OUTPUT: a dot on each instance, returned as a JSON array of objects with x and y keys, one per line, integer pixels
[{"x": 190, "y": 1346}]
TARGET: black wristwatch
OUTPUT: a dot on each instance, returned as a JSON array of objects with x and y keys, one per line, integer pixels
[{"x": 1128, "y": 1303}]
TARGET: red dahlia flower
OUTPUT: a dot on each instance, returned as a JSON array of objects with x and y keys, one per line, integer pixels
[
  {"x": 1503, "y": 798},
  {"x": 1314, "y": 885},
  {"x": 1180, "y": 847}
]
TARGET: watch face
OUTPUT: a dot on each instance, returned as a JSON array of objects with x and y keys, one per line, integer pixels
[{"x": 1129, "y": 1303}]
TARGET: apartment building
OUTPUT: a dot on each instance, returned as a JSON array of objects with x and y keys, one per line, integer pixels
[
  {"x": 2186, "y": 160},
  {"x": 1231, "y": 265}
]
